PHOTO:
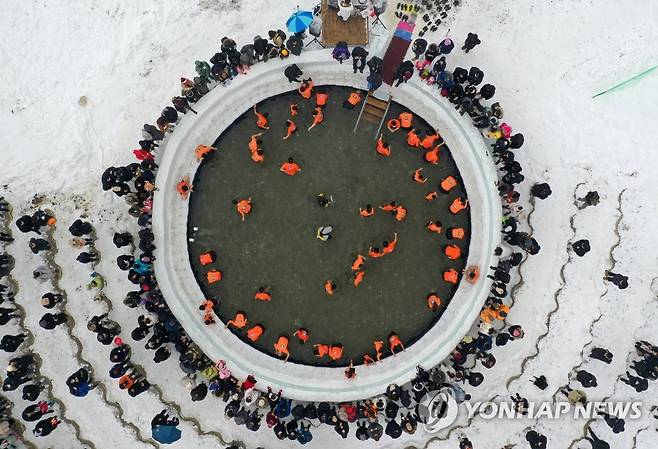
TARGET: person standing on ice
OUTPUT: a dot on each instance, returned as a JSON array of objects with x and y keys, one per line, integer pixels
[{"x": 471, "y": 42}]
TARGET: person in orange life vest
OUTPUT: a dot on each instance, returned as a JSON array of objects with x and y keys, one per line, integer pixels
[
  {"x": 350, "y": 372},
  {"x": 255, "y": 143},
  {"x": 306, "y": 89},
  {"x": 207, "y": 258},
  {"x": 329, "y": 287},
  {"x": 318, "y": 117},
  {"x": 488, "y": 315},
  {"x": 458, "y": 205},
  {"x": 389, "y": 247},
  {"x": 302, "y": 335},
  {"x": 406, "y": 119},
  {"x": 382, "y": 147},
  {"x": 451, "y": 276},
  {"x": 453, "y": 252},
  {"x": 375, "y": 253},
  {"x": 255, "y": 332},
  {"x": 208, "y": 318},
  {"x": 262, "y": 295},
  {"x": 367, "y": 360},
  {"x": 368, "y": 211},
  {"x": 390, "y": 207},
  {"x": 447, "y": 184},
  {"x": 429, "y": 141},
  {"x": 456, "y": 233},
  {"x": 418, "y": 177},
  {"x": 412, "y": 139},
  {"x": 320, "y": 350},
  {"x": 393, "y": 125},
  {"x": 394, "y": 342},
  {"x": 281, "y": 347},
  {"x": 207, "y": 307},
  {"x": 127, "y": 381},
  {"x": 379, "y": 345},
  {"x": 291, "y": 129},
  {"x": 184, "y": 187},
  {"x": 400, "y": 212},
  {"x": 336, "y": 352},
  {"x": 431, "y": 196},
  {"x": 294, "y": 109},
  {"x": 358, "y": 277},
  {"x": 201, "y": 151},
  {"x": 321, "y": 99},
  {"x": 243, "y": 207},
  {"x": 502, "y": 311},
  {"x": 432, "y": 156},
  {"x": 258, "y": 156},
  {"x": 433, "y": 301},
  {"x": 358, "y": 262},
  {"x": 434, "y": 226},
  {"x": 290, "y": 168},
  {"x": 214, "y": 276},
  {"x": 261, "y": 119},
  {"x": 352, "y": 100},
  {"x": 239, "y": 321}
]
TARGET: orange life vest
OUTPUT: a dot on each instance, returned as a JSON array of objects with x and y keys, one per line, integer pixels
[
  {"x": 431, "y": 196},
  {"x": 432, "y": 156},
  {"x": 294, "y": 109},
  {"x": 451, "y": 276},
  {"x": 378, "y": 349},
  {"x": 239, "y": 321},
  {"x": 321, "y": 99},
  {"x": 433, "y": 301},
  {"x": 418, "y": 177},
  {"x": 291, "y": 129},
  {"x": 472, "y": 274},
  {"x": 335, "y": 352},
  {"x": 448, "y": 184},
  {"x": 393, "y": 125},
  {"x": 255, "y": 332},
  {"x": 321, "y": 350},
  {"x": 456, "y": 233},
  {"x": 358, "y": 262},
  {"x": 400, "y": 212},
  {"x": 389, "y": 207},
  {"x": 290, "y": 168},
  {"x": 458, "y": 205},
  {"x": 406, "y": 119},
  {"x": 428, "y": 141},
  {"x": 183, "y": 188},
  {"x": 202, "y": 150},
  {"x": 394, "y": 341},
  {"x": 306, "y": 89},
  {"x": 262, "y": 296},
  {"x": 364, "y": 212},
  {"x": 257, "y": 156},
  {"x": 214, "y": 276},
  {"x": 367, "y": 360},
  {"x": 329, "y": 287},
  {"x": 453, "y": 252},
  {"x": 281, "y": 346},
  {"x": 382, "y": 147},
  {"x": 358, "y": 277},
  {"x": 433, "y": 227},
  {"x": 388, "y": 249},
  {"x": 207, "y": 258},
  {"x": 375, "y": 253},
  {"x": 302, "y": 335},
  {"x": 354, "y": 98},
  {"x": 412, "y": 139},
  {"x": 261, "y": 120}
]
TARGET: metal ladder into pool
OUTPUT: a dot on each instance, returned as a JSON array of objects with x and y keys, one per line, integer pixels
[{"x": 374, "y": 110}]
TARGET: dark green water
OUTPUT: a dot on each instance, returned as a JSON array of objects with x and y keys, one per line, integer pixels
[{"x": 276, "y": 245}]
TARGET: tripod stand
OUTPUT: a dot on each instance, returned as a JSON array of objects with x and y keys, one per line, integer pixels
[{"x": 378, "y": 21}]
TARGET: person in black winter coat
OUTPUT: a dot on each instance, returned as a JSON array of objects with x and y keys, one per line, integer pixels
[
  {"x": 471, "y": 42},
  {"x": 588, "y": 380},
  {"x": 295, "y": 45},
  {"x": 359, "y": 55},
  {"x": 475, "y": 76},
  {"x": 540, "y": 382},
  {"x": 595, "y": 441},
  {"x": 640, "y": 384},
  {"x": 536, "y": 440},
  {"x": 122, "y": 239},
  {"x": 487, "y": 91},
  {"x": 49, "y": 321},
  {"x": 161, "y": 354},
  {"x": 86, "y": 257},
  {"x": 581, "y": 247},
  {"x": 293, "y": 73},
  {"x": 50, "y": 300},
  {"x": 79, "y": 227},
  {"x": 10, "y": 343},
  {"x": 46, "y": 426},
  {"x": 616, "y": 424},
  {"x": 31, "y": 391},
  {"x": 418, "y": 47},
  {"x": 199, "y": 392},
  {"x": 27, "y": 224},
  {"x": 375, "y": 64},
  {"x": 601, "y": 354},
  {"x": 6, "y": 315},
  {"x": 617, "y": 279},
  {"x": 182, "y": 105},
  {"x": 541, "y": 191}
]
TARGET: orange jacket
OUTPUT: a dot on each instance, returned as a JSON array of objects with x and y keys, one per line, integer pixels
[
  {"x": 302, "y": 335},
  {"x": 379, "y": 345},
  {"x": 262, "y": 296},
  {"x": 456, "y": 233},
  {"x": 451, "y": 276},
  {"x": 453, "y": 252},
  {"x": 412, "y": 139},
  {"x": 214, "y": 276},
  {"x": 400, "y": 212},
  {"x": 358, "y": 262},
  {"x": 358, "y": 277},
  {"x": 257, "y": 156},
  {"x": 375, "y": 253},
  {"x": 329, "y": 287},
  {"x": 433, "y": 301},
  {"x": 406, "y": 119},
  {"x": 321, "y": 99},
  {"x": 431, "y": 196},
  {"x": 434, "y": 227},
  {"x": 428, "y": 141},
  {"x": 364, "y": 212},
  {"x": 281, "y": 346},
  {"x": 335, "y": 352},
  {"x": 458, "y": 205},
  {"x": 290, "y": 168},
  {"x": 432, "y": 156},
  {"x": 354, "y": 98},
  {"x": 321, "y": 350},
  {"x": 201, "y": 151},
  {"x": 388, "y": 249},
  {"x": 207, "y": 258},
  {"x": 239, "y": 321},
  {"x": 394, "y": 341},
  {"x": 418, "y": 177},
  {"x": 448, "y": 183},
  {"x": 255, "y": 332}
]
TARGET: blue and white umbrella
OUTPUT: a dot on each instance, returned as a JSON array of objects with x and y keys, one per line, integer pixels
[{"x": 299, "y": 21}]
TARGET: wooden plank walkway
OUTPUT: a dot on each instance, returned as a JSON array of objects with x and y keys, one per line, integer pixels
[{"x": 334, "y": 29}]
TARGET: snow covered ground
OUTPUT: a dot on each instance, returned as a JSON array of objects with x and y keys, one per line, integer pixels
[{"x": 81, "y": 78}]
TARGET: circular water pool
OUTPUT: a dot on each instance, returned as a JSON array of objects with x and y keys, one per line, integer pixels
[{"x": 276, "y": 246}]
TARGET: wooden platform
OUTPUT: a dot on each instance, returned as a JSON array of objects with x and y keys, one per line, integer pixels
[{"x": 334, "y": 29}]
